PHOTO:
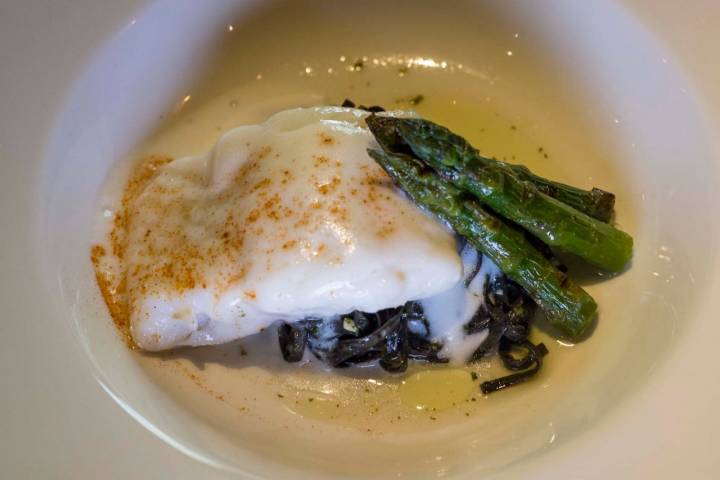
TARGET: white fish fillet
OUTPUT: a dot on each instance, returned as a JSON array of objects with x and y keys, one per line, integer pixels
[{"x": 282, "y": 220}]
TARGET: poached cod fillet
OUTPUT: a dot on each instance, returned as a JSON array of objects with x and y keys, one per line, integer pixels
[{"x": 279, "y": 221}]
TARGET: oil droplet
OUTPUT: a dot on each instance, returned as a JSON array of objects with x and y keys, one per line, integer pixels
[{"x": 436, "y": 389}]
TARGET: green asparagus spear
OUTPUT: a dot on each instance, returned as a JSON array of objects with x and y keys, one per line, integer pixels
[
  {"x": 596, "y": 203},
  {"x": 500, "y": 188},
  {"x": 566, "y": 305}
]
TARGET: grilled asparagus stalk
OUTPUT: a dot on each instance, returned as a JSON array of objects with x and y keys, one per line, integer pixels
[
  {"x": 596, "y": 203},
  {"x": 508, "y": 193},
  {"x": 566, "y": 305}
]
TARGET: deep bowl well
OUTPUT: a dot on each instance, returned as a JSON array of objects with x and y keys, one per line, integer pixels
[{"x": 610, "y": 107}]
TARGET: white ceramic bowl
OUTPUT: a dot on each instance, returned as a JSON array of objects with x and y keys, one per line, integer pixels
[{"x": 616, "y": 104}]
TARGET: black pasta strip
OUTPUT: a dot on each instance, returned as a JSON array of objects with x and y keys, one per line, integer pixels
[
  {"x": 534, "y": 356},
  {"x": 395, "y": 358},
  {"x": 345, "y": 350},
  {"x": 292, "y": 342}
]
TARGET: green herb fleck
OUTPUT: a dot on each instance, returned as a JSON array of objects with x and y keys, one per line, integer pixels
[
  {"x": 349, "y": 325},
  {"x": 411, "y": 100},
  {"x": 416, "y": 99},
  {"x": 358, "y": 65}
]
